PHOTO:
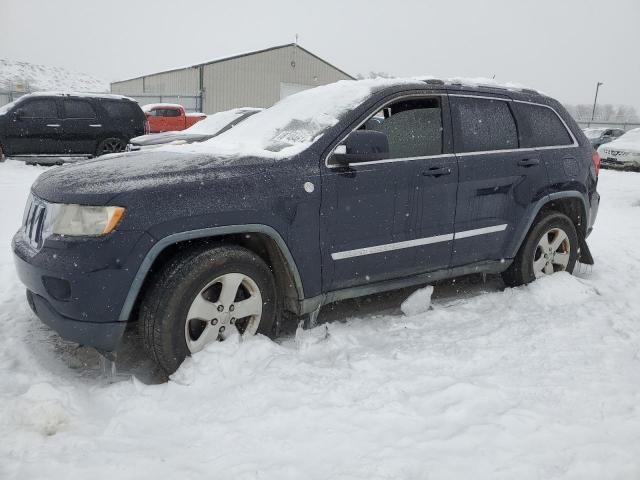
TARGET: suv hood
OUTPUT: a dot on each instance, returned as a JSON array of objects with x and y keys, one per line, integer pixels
[{"x": 97, "y": 181}]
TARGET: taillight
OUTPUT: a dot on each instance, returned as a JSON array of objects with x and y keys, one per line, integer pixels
[
  {"x": 595, "y": 158},
  {"x": 147, "y": 129}
]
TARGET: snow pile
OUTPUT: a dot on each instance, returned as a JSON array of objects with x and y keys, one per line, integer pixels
[
  {"x": 33, "y": 78},
  {"x": 418, "y": 302},
  {"x": 541, "y": 381}
]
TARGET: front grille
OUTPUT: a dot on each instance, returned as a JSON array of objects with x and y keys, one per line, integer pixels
[{"x": 34, "y": 221}]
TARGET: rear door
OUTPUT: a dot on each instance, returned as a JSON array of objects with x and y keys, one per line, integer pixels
[
  {"x": 80, "y": 125},
  {"x": 543, "y": 130},
  {"x": 497, "y": 180},
  {"x": 37, "y": 130},
  {"x": 373, "y": 221}
]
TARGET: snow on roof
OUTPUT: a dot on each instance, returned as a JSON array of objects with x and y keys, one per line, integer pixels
[
  {"x": 110, "y": 96},
  {"x": 32, "y": 77},
  {"x": 479, "y": 82},
  {"x": 234, "y": 56},
  {"x": 150, "y": 106}
]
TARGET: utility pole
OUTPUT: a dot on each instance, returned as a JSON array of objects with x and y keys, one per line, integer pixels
[{"x": 595, "y": 100}]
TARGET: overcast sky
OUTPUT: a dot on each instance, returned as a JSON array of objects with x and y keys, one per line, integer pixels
[{"x": 560, "y": 47}]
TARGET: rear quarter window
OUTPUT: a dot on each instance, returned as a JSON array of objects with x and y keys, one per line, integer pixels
[
  {"x": 540, "y": 126},
  {"x": 119, "y": 109}
]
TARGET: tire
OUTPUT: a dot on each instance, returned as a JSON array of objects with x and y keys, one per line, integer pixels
[
  {"x": 110, "y": 145},
  {"x": 190, "y": 285},
  {"x": 2, "y": 157},
  {"x": 553, "y": 225}
]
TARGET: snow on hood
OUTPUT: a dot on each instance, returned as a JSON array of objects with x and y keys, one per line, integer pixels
[
  {"x": 629, "y": 141},
  {"x": 294, "y": 123},
  {"x": 133, "y": 171}
]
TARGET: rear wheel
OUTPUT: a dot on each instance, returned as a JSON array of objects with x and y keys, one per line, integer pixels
[
  {"x": 110, "y": 145},
  {"x": 204, "y": 296},
  {"x": 551, "y": 246}
]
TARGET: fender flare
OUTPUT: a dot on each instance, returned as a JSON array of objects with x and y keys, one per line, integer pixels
[
  {"x": 152, "y": 254},
  {"x": 513, "y": 249}
]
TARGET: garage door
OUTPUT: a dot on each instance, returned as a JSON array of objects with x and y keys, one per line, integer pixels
[{"x": 287, "y": 89}]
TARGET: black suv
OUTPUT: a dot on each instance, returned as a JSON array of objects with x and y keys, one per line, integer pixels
[
  {"x": 336, "y": 192},
  {"x": 69, "y": 124}
]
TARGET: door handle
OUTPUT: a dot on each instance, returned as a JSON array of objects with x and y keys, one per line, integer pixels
[
  {"x": 528, "y": 162},
  {"x": 96, "y": 125},
  {"x": 54, "y": 125},
  {"x": 436, "y": 171}
]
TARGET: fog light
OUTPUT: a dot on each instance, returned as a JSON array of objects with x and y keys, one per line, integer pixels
[{"x": 58, "y": 288}]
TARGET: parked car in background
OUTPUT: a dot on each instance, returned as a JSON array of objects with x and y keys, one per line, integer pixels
[
  {"x": 206, "y": 129},
  {"x": 600, "y": 136},
  {"x": 623, "y": 153},
  {"x": 307, "y": 203},
  {"x": 64, "y": 124},
  {"x": 169, "y": 117}
]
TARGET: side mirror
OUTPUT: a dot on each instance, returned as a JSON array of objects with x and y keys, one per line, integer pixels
[
  {"x": 361, "y": 146},
  {"x": 18, "y": 113}
]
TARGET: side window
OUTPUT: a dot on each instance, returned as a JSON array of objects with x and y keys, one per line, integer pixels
[
  {"x": 41, "y": 108},
  {"x": 166, "y": 112},
  {"x": 413, "y": 127},
  {"x": 78, "y": 109},
  {"x": 483, "y": 125},
  {"x": 118, "y": 109},
  {"x": 542, "y": 127}
]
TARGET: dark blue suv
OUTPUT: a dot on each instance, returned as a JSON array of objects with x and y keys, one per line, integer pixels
[{"x": 336, "y": 192}]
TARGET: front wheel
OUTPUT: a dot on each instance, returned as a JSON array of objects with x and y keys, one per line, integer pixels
[
  {"x": 203, "y": 296},
  {"x": 551, "y": 246}
]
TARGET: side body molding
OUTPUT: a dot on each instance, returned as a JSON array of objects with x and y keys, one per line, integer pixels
[
  {"x": 519, "y": 236},
  {"x": 142, "y": 272}
]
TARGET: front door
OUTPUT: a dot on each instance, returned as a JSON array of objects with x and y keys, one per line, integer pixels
[
  {"x": 35, "y": 128},
  {"x": 379, "y": 217},
  {"x": 498, "y": 181}
]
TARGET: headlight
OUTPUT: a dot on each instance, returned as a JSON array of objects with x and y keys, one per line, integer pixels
[{"x": 76, "y": 220}]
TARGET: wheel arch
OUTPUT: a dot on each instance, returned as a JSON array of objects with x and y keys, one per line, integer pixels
[
  {"x": 572, "y": 203},
  {"x": 263, "y": 240}
]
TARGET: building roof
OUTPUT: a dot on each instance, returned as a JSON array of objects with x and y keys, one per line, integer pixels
[{"x": 232, "y": 57}]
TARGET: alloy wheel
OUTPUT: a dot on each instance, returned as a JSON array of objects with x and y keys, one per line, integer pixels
[
  {"x": 552, "y": 253},
  {"x": 112, "y": 145},
  {"x": 230, "y": 303}
]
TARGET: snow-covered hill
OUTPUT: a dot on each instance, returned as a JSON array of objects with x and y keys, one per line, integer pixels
[{"x": 31, "y": 77}]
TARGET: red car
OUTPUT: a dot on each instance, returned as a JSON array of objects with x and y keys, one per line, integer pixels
[{"x": 169, "y": 117}]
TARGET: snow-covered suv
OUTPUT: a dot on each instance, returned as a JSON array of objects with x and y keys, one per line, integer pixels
[{"x": 336, "y": 192}]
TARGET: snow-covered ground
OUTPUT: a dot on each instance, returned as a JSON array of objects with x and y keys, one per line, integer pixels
[{"x": 537, "y": 382}]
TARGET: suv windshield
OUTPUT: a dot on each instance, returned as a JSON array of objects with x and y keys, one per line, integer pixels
[
  {"x": 5, "y": 108},
  {"x": 593, "y": 132},
  {"x": 295, "y": 122}
]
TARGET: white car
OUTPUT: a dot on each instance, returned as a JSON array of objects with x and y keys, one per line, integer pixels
[{"x": 623, "y": 153}]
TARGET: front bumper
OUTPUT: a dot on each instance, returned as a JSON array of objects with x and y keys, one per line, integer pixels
[
  {"x": 103, "y": 336},
  {"x": 78, "y": 287}
]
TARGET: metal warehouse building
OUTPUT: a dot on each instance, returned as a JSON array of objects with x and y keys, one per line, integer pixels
[{"x": 255, "y": 79}]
